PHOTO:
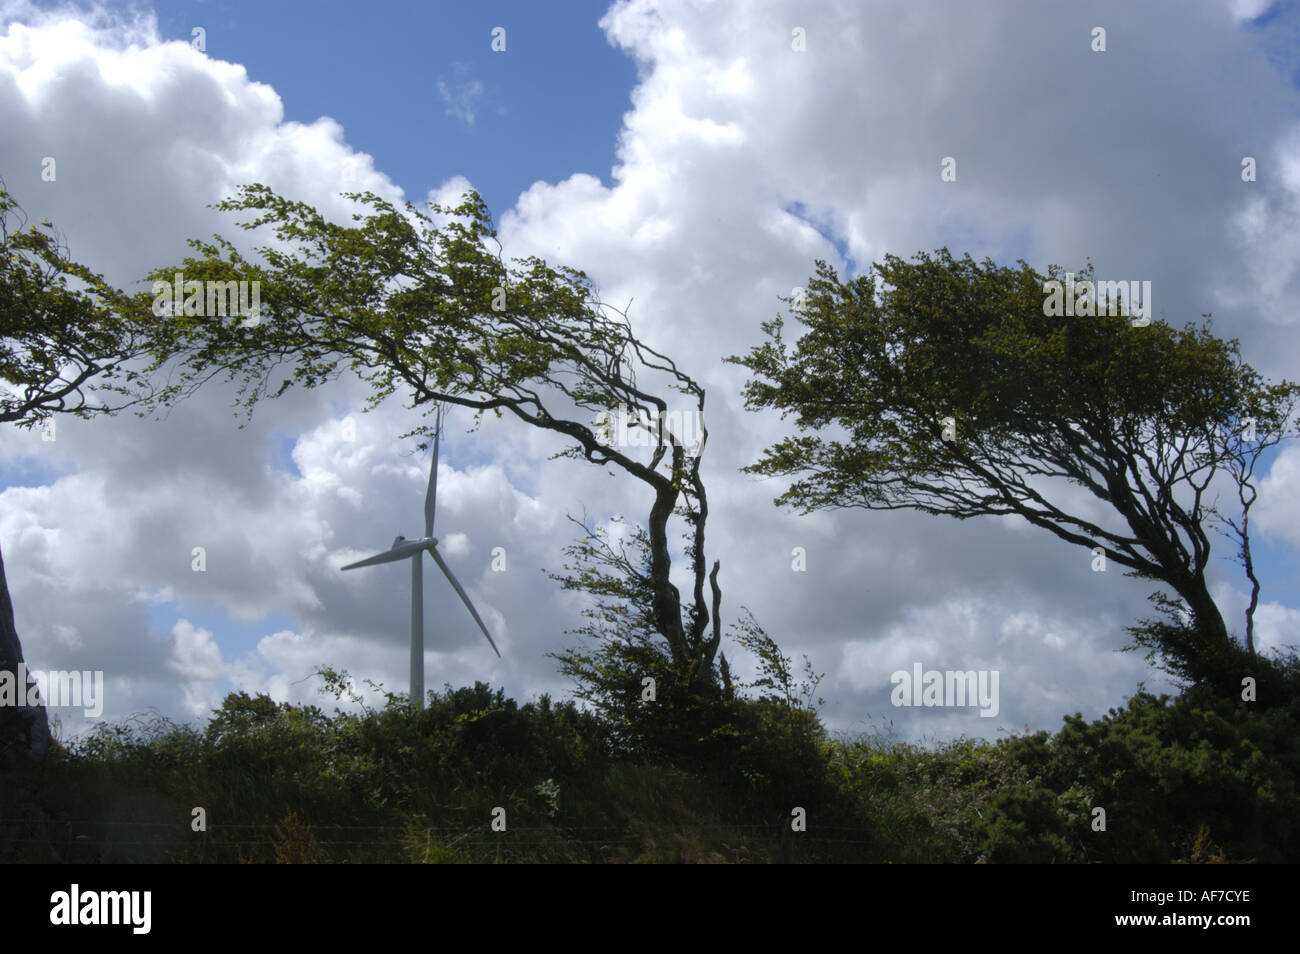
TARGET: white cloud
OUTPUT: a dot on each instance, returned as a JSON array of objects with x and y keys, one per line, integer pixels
[
  {"x": 195, "y": 654},
  {"x": 1277, "y": 512},
  {"x": 459, "y": 99},
  {"x": 1250, "y": 9}
]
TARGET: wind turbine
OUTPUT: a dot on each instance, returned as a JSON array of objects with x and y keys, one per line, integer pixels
[{"x": 402, "y": 549}]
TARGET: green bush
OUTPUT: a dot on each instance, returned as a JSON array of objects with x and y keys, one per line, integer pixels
[
  {"x": 1164, "y": 768},
  {"x": 1193, "y": 778},
  {"x": 1024, "y": 825}
]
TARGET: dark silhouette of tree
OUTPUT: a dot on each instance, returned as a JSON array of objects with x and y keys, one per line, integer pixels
[{"x": 649, "y": 696}]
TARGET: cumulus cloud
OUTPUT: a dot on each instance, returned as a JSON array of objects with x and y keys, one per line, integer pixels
[{"x": 195, "y": 654}]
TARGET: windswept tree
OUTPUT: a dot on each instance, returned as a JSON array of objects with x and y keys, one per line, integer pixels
[
  {"x": 432, "y": 309},
  {"x": 69, "y": 344},
  {"x": 947, "y": 388},
  {"x": 626, "y": 673}
]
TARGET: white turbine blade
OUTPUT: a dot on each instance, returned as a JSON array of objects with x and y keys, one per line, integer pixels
[
  {"x": 431, "y": 495},
  {"x": 451, "y": 578},
  {"x": 400, "y": 552}
]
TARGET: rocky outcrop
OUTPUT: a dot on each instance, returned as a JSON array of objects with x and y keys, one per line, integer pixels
[{"x": 24, "y": 730}]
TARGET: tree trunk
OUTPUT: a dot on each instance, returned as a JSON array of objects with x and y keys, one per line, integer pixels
[
  {"x": 24, "y": 731},
  {"x": 667, "y": 601},
  {"x": 1213, "y": 656}
]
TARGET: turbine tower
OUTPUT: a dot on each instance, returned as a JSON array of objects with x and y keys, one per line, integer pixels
[{"x": 415, "y": 550}]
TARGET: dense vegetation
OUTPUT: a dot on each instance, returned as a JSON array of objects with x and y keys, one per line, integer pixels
[{"x": 1190, "y": 778}]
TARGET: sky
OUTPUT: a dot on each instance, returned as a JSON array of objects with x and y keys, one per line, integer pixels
[{"x": 695, "y": 159}]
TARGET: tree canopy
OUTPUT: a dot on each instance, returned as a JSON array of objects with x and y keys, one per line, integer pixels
[
  {"x": 433, "y": 310},
  {"x": 81, "y": 350},
  {"x": 943, "y": 385}
]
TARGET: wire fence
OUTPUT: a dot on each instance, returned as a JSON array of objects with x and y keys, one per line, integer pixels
[{"x": 218, "y": 836}]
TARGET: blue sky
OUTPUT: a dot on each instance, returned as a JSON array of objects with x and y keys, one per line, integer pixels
[
  {"x": 691, "y": 160},
  {"x": 549, "y": 105}
]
